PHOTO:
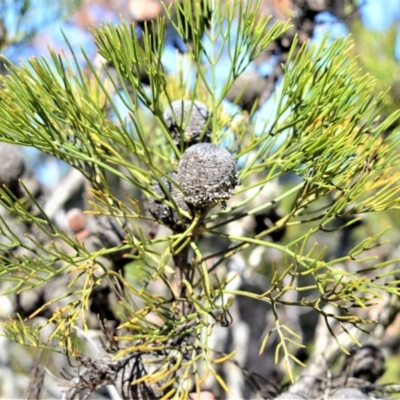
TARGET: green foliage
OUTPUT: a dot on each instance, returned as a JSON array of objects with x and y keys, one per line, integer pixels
[
  {"x": 392, "y": 373},
  {"x": 375, "y": 55},
  {"x": 325, "y": 131}
]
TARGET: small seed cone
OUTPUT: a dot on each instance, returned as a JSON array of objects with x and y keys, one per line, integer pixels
[
  {"x": 207, "y": 174},
  {"x": 12, "y": 167},
  {"x": 187, "y": 120},
  {"x": 162, "y": 211}
]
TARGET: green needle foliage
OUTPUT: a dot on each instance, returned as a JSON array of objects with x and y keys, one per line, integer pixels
[
  {"x": 325, "y": 130},
  {"x": 375, "y": 55}
]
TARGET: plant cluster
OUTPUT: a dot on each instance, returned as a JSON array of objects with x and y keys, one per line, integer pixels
[{"x": 181, "y": 156}]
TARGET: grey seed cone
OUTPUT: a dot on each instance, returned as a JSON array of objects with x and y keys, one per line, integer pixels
[
  {"x": 189, "y": 120},
  {"x": 107, "y": 233},
  {"x": 207, "y": 174},
  {"x": 162, "y": 211},
  {"x": 247, "y": 88},
  {"x": 12, "y": 166},
  {"x": 366, "y": 362}
]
